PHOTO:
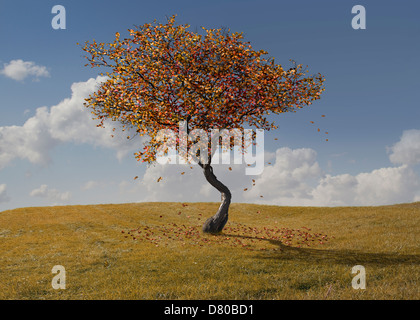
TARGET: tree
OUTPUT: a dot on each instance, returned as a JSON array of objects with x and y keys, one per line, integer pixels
[{"x": 163, "y": 74}]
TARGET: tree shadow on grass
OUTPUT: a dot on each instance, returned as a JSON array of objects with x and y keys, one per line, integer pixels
[{"x": 346, "y": 257}]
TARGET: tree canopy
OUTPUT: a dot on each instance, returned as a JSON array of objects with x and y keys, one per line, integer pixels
[{"x": 163, "y": 74}]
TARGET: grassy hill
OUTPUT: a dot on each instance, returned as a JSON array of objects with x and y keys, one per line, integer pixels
[{"x": 157, "y": 251}]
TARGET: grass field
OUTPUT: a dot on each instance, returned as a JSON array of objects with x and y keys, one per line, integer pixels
[{"x": 157, "y": 251}]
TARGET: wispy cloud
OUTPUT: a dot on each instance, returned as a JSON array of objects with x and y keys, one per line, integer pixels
[
  {"x": 51, "y": 194},
  {"x": 90, "y": 185},
  {"x": 19, "y": 70}
]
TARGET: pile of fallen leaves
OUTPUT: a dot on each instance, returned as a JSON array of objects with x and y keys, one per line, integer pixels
[{"x": 234, "y": 234}]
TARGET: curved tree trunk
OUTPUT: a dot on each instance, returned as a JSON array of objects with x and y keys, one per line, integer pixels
[{"x": 216, "y": 223}]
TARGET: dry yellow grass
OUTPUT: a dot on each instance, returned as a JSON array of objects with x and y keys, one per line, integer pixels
[{"x": 156, "y": 251}]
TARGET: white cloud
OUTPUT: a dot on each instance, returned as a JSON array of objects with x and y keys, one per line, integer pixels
[
  {"x": 337, "y": 190},
  {"x": 3, "y": 194},
  {"x": 387, "y": 186},
  {"x": 68, "y": 121},
  {"x": 288, "y": 178},
  {"x": 51, "y": 194},
  {"x": 378, "y": 187},
  {"x": 19, "y": 70},
  {"x": 31, "y": 141},
  {"x": 407, "y": 150},
  {"x": 294, "y": 178}
]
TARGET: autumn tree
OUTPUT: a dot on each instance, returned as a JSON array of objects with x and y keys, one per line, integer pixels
[{"x": 164, "y": 74}]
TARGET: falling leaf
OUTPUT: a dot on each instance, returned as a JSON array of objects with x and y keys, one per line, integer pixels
[
  {"x": 261, "y": 197},
  {"x": 182, "y": 172},
  {"x": 136, "y": 177},
  {"x": 312, "y": 122},
  {"x": 230, "y": 168},
  {"x": 323, "y": 115},
  {"x": 245, "y": 189},
  {"x": 319, "y": 130},
  {"x": 276, "y": 139},
  {"x": 160, "y": 178}
]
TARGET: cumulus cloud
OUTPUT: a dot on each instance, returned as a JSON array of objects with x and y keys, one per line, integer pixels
[
  {"x": 378, "y": 187},
  {"x": 337, "y": 190},
  {"x": 68, "y": 121},
  {"x": 407, "y": 150},
  {"x": 290, "y": 181},
  {"x": 3, "y": 194},
  {"x": 387, "y": 186},
  {"x": 19, "y": 70},
  {"x": 51, "y": 194},
  {"x": 294, "y": 178},
  {"x": 288, "y": 177}
]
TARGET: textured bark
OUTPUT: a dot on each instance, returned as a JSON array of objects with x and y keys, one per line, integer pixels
[{"x": 216, "y": 223}]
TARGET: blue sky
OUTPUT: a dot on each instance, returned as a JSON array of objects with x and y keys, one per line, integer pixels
[{"x": 371, "y": 106}]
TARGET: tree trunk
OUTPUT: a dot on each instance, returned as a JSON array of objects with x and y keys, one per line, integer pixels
[{"x": 216, "y": 223}]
